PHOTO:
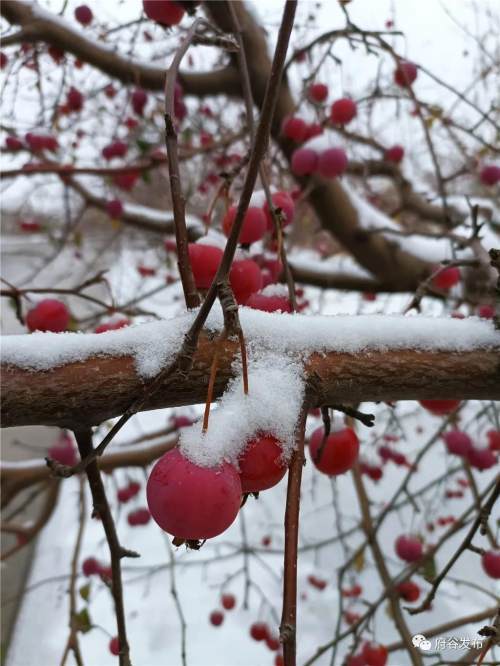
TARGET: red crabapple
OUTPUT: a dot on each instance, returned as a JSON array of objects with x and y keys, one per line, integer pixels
[
  {"x": 261, "y": 464},
  {"x": 269, "y": 303},
  {"x": 481, "y": 458},
  {"x": 254, "y": 224},
  {"x": 74, "y": 99},
  {"x": 355, "y": 660},
  {"x": 245, "y": 278},
  {"x": 343, "y": 111},
  {"x": 408, "y": 590},
  {"x": 405, "y": 74},
  {"x": 294, "y": 128},
  {"x": 332, "y": 162},
  {"x": 90, "y": 566},
  {"x": 266, "y": 540},
  {"x": 457, "y": 442},
  {"x": 139, "y": 99},
  {"x": 284, "y": 201},
  {"x": 273, "y": 643},
  {"x": 205, "y": 260},
  {"x": 374, "y": 654},
  {"x": 126, "y": 180},
  {"x": 339, "y": 453},
  {"x": 64, "y": 451},
  {"x": 486, "y": 311},
  {"x": 491, "y": 563},
  {"x": 447, "y": 278},
  {"x": 48, "y": 315},
  {"x": 13, "y": 143},
  {"x": 440, "y": 407},
  {"x": 83, "y": 15},
  {"x": 304, "y": 161},
  {"x": 394, "y": 154},
  {"x": 114, "y": 208},
  {"x": 490, "y": 175},
  {"x": 192, "y": 502},
  {"x": 493, "y": 439},
  {"x": 166, "y": 12},
  {"x": 317, "y": 93},
  {"x": 408, "y": 548},
  {"x": 216, "y": 618},
  {"x": 259, "y": 631},
  {"x": 228, "y": 601},
  {"x": 313, "y": 129},
  {"x": 114, "y": 646}
]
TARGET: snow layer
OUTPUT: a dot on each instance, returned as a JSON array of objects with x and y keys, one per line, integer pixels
[
  {"x": 275, "y": 396},
  {"x": 155, "y": 344}
]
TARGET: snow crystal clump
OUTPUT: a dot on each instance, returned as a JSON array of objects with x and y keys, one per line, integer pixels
[
  {"x": 275, "y": 290},
  {"x": 276, "y": 393}
]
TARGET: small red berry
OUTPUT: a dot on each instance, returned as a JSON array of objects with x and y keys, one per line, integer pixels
[
  {"x": 259, "y": 631},
  {"x": 74, "y": 99},
  {"x": 447, "y": 278},
  {"x": 254, "y": 224},
  {"x": 48, "y": 315},
  {"x": 491, "y": 563},
  {"x": 115, "y": 149},
  {"x": 126, "y": 180},
  {"x": 493, "y": 439},
  {"x": 29, "y": 225},
  {"x": 114, "y": 646},
  {"x": 343, "y": 111},
  {"x": 216, "y": 618},
  {"x": 409, "y": 590},
  {"x": 394, "y": 154},
  {"x": 228, "y": 601},
  {"x": 318, "y": 583},
  {"x": 112, "y": 325},
  {"x": 374, "y": 654},
  {"x": 139, "y": 517},
  {"x": 457, "y": 442},
  {"x": 332, "y": 162},
  {"x": 486, "y": 311},
  {"x": 261, "y": 464},
  {"x": 3, "y": 60},
  {"x": 166, "y": 12},
  {"x": 317, "y": 93},
  {"x": 192, "y": 502},
  {"x": 294, "y": 128},
  {"x": 13, "y": 143},
  {"x": 90, "y": 566},
  {"x": 304, "y": 161},
  {"x": 490, "y": 175},
  {"x": 408, "y": 548},
  {"x": 114, "y": 208},
  {"x": 205, "y": 260},
  {"x": 405, "y": 74},
  {"x": 139, "y": 99},
  {"x": 245, "y": 278},
  {"x": 481, "y": 458},
  {"x": 339, "y": 453},
  {"x": 273, "y": 643},
  {"x": 266, "y": 541},
  {"x": 269, "y": 303},
  {"x": 440, "y": 407},
  {"x": 84, "y": 15}
]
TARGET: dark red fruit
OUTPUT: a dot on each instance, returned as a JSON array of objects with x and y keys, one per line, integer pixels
[
  {"x": 245, "y": 278},
  {"x": 457, "y": 442},
  {"x": 304, "y": 161},
  {"x": 261, "y": 464},
  {"x": 408, "y": 590},
  {"x": 447, "y": 279},
  {"x": 294, "y": 128},
  {"x": 394, "y": 154},
  {"x": 317, "y": 93},
  {"x": 90, "y": 566},
  {"x": 269, "y": 303},
  {"x": 165, "y": 12},
  {"x": 343, "y": 111},
  {"x": 216, "y": 618},
  {"x": 114, "y": 208},
  {"x": 273, "y": 643},
  {"x": 486, "y": 311},
  {"x": 408, "y": 548},
  {"x": 83, "y": 15},
  {"x": 339, "y": 453},
  {"x": 440, "y": 407},
  {"x": 29, "y": 225},
  {"x": 139, "y": 517},
  {"x": 318, "y": 583},
  {"x": 3, "y": 60},
  {"x": 490, "y": 175},
  {"x": 115, "y": 149},
  {"x": 254, "y": 224},
  {"x": 259, "y": 631},
  {"x": 491, "y": 563},
  {"x": 13, "y": 143},
  {"x": 332, "y": 162},
  {"x": 228, "y": 601},
  {"x": 374, "y": 654},
  {"x": 192, "y": 502},
  {"x": 126, "y": 180},
  {"x": 48, "y": 315},
  {"x": 481, "y": 458},
  {"x": 493, "y": 439},
  {"x": 74, "y": 100},
  {"x": 114, "y": 646},
  {"x": 405, "y": 74},
  {"x": 205, "y": 260},
  {"x": 139, "y": 99}
]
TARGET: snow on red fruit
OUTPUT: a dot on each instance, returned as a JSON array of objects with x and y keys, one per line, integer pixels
[
  {"x": 269, "y": 303},
  {"x": 114, "y": 646},
  {"x": 408, "y": 548},
  {"x": 192, "y": 502},
  {"x": 481, "y": 458},
  {"x": 63, "y": 451},
  {"x": 254, "y": 224},
  {"x": 261, "y": 464},
  {"x": 343, "y": 111},
  {"x": 405, "y": 74},
  {"x": 228, "y": 601},
  {"x": 114, "y": 208},
  {"x": 166, "y": 12},
  {"x": 138, "y": 100},
  {"x": 294, "y": 128},
  {"x": 447, "y": 278},
  {"x": 339, "y": 453},
  {"x": 112, "y": 325},
  {"x": 408, "y": 590},
  {"x": 332, "y": 162},
  {"x": 90, "y": 566},
  {"x": 490, "y": 175},
  {"x": 374, "y": 654},
  {"x": 205, "y": 260},
  {"x": 394, "y": 154},
  {"x": 304, "y": 161},
  {"x": 440, "y": 407},
  {"x": 493, "y": 439},
  {"x": 74, "y": 99},
  {"x": 84, "y": 15},
  {"x": 48, "y": 315},
  {"x": 259, "y": 631},
  {"x": 491, "y": 563},
  {"x": 317, "y": 93},
  {"x": 216, "y": 618},
  {"x": 284, "y": 201},
  {"x": 245, "y": 278},
  {"x": 457, "y": 442}
]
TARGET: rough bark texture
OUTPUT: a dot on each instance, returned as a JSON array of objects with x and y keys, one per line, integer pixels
[{"x": 89, "y": 392}]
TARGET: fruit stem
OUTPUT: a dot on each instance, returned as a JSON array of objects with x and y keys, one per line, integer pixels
[
  {"x": 244, "y": 364},
  {"x": 211, "y": 381}
]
